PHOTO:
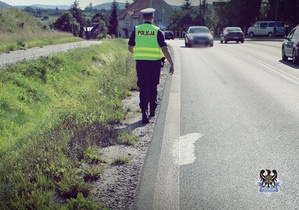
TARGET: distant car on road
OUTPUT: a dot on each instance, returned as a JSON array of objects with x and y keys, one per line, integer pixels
[
  {"x": 198, "y": 35},
  {"x": 232, "y": 34},
  {"x": 168, "y": 35},
  {"x": 290, "y": 46},
  {"x": 266, "y": 28}
]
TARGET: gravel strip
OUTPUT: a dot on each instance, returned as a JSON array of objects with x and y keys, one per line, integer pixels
[{"x": 118, "y": 183}]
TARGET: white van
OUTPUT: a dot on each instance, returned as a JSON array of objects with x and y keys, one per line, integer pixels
[{"x": 266, "y": 28}]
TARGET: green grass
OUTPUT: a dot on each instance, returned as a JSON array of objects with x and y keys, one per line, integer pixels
[
  {"x": 127, "y": 138},
  {"x": 19, "y": 31},
  {"x": 54, "y": 112},
  {"x": 120, "y": 161}
]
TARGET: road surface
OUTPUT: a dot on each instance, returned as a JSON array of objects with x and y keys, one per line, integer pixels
[
  {"x": 227, "y": 113},
  {"x": 15, "y": 56}
]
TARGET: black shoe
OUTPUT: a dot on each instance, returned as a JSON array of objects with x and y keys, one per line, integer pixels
[
  {"x": 152, "y": 111},
  {"x": 145, "y": 119}
]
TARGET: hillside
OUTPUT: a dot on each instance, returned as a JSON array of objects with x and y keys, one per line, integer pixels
[
  {"x": 15, "y": 21},
  {"x": 61, "y": 7},
  {"x": 107, "y": 6},
  {"x": 4, "y": 5},
  {"x": 20, "y": 30},
  {"x": 104, "y": 6}
]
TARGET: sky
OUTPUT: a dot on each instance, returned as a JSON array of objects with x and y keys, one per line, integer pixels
[{"x": 84, "y": 3}]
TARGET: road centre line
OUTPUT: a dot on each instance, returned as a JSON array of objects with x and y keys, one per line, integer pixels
[
  {"x": 167, "y": 183},
  {"x": 272, "y": 68}
]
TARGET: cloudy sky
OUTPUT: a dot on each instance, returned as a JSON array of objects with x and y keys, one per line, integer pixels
[{"x": 84, "y": 3}]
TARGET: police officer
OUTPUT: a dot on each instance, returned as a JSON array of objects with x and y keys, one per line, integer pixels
[{"x": 147, "y": 44}]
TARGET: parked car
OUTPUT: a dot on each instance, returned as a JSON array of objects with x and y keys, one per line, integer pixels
[
  {"x": 232, "y": 34},
  {"x": 198, "y": 35},
  {"x": 168, "y": 35},
  {"x": 266, "y": 28},
  {"x": 290, "y": 46}
]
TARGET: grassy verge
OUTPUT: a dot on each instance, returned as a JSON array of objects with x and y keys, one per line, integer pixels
[
  {"x": 20, "y": 31},
  {"x": 53, "y": 112}
]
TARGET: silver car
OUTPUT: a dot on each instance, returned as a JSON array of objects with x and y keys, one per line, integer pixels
[
  {"x": 290, "y": 46},
  {"x": 198, "y": 35}
]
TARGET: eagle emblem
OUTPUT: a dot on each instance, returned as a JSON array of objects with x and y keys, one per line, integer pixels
[{"x": 268, "y": 180}]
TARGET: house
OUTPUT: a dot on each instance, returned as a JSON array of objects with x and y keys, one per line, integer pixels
[
  {"x": 91, "y": 31},
  {"x": 132, "y": 16}
]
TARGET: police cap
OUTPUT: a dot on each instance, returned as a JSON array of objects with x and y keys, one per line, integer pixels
[{"x": 148, "y": 11}]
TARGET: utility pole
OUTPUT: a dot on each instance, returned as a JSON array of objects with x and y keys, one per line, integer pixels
[
  {"x": 73, "y": 26},
  {"x": 276, "y": 12},
  {"x": 200, "y": 7}
]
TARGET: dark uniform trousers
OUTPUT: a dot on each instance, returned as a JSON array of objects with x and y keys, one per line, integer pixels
[{"x": 148, "y": 75}]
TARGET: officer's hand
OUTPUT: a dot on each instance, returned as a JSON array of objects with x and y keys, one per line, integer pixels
[{"x": 171, "y": 69}]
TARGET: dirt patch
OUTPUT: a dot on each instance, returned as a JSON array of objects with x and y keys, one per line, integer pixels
[{"x": 118, "y": 183}]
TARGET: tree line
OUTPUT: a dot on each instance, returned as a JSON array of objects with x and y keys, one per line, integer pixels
[
  {"x": 74, "y": 21},
  {"x": 241, "y": 13}
]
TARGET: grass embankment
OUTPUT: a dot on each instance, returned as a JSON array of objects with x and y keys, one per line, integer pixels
[
  {"x": 20, "y": 30},
  {"x": 55, "y": 113}
]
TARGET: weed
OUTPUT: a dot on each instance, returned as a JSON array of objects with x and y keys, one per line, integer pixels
[
  {"x": 127, "y": 138},
  {"x": 71, "y": 185},
  {"x": 120, "y": 161},
  {"x": 81, "y": 202},
  {"x": 92, "y": 173},
  {"x": 91, "y": 155}
]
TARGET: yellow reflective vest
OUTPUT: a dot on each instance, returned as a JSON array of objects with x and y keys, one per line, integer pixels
[{"x": 147, "y": 46}]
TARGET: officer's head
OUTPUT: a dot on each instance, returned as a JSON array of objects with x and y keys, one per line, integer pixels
[{"x": 148, "y": 14}]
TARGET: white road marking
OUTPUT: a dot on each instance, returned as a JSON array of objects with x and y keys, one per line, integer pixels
[
  {"x": 183, "y": 149},
  {"x": 272, "y": 68}
]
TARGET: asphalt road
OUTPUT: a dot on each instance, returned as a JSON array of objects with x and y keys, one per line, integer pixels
[
  {"x": 16, "y": 56},
  {"x": 227, "y": 113}
]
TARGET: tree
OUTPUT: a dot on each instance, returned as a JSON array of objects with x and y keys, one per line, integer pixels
[
  {"x": 67, "y": 23},
  {"x": 127, "y": 5},
  {"x": 243, "y": 12},
  {"x": 182, "y": 19},
  {"x": 174, "y": 16},
  {"x": 113, "y": 21},
  {"x": 187, "y": 5},
  {"x": 203, "y": 16},
  {"x": 186, "y": 20},
  {"x": 220, "y": 17},
  {"x": 203, "y": 7},
  {"x": 288, "y": 13},
  {"x": 89, "y": 8},
  {"x": 199, "y": 19},
  {"x": 29, "y": 10},
  {"x": 103, "y": 29},
  {"x": 97, "y": 17},
  {"x": 281, "y": 10},
  {"x": 77, "y": 13},
  {"x": 264, "y": 10}
]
